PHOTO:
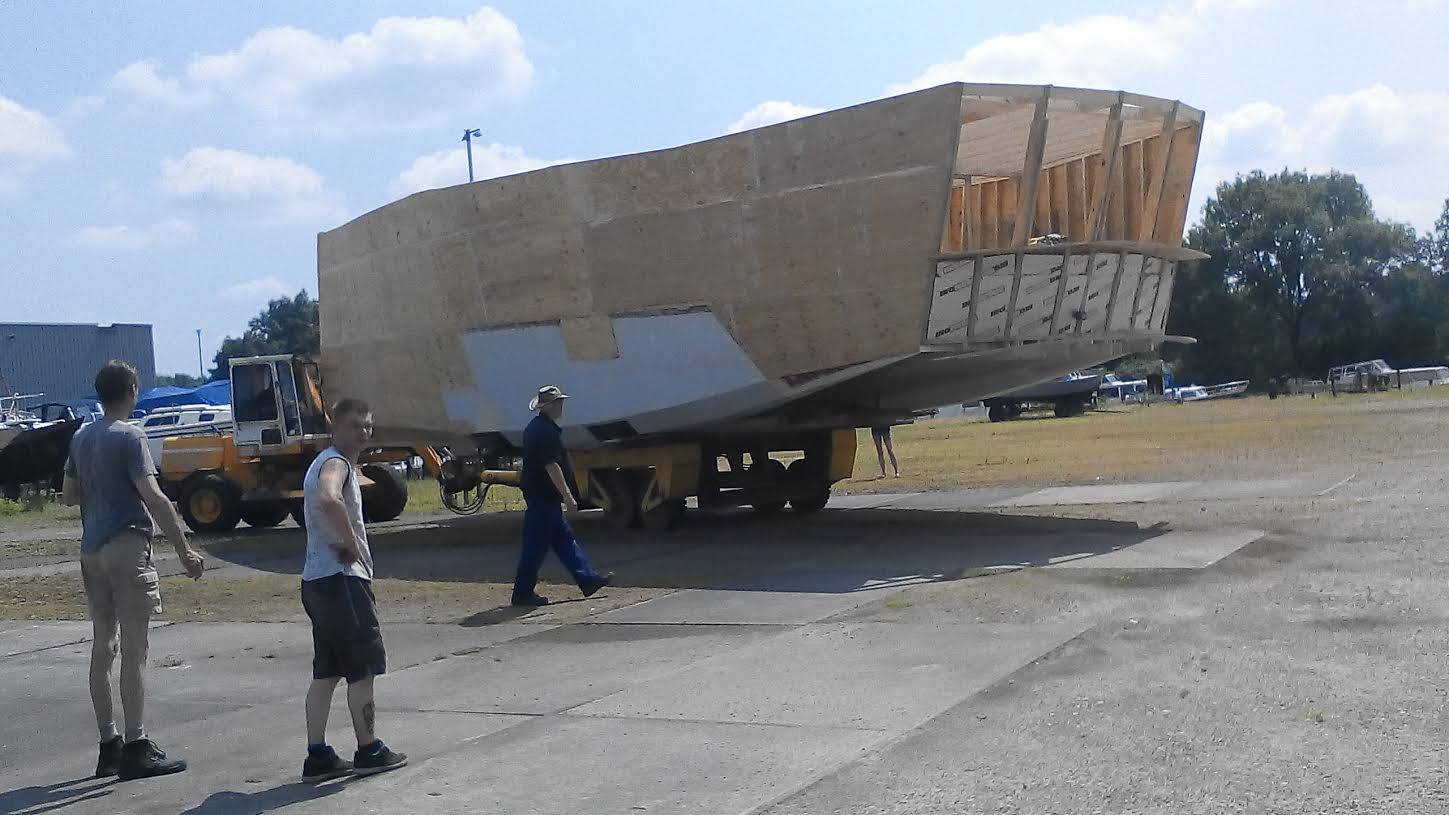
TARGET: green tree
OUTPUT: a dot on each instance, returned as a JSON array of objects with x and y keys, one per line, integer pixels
[
  {"x": 1434, "y": 247},
  {"x": 288, "y": 325},
  {"x": 1294, "y": 278},
  {"x": 180, "y": 380}
]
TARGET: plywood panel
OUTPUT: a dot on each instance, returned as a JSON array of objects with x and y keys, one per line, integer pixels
[
  {"x": 669, "y": 258},
  {"x": 1007, "y": 217},
  {"x": 991, "y": 215},
  {"x": 954, "y": 239},
  {"x": 589, "y": 338},
  {"x": 1076, "y": 201},
  {"x": 853, "y": 143},
  {"x": 1059, "y": 184},
  {"x": 1132, "y": 189},
  {"x": 1116, "y": 216},
  {"x": 1178, "y": 186}
]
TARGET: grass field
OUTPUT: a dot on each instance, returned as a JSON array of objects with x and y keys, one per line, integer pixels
[{"x": 1134, "y": 442}]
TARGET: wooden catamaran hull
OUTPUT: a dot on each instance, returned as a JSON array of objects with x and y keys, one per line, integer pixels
[{"x": 833, "y": 270}]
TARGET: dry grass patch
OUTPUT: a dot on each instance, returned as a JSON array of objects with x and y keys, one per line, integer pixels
[{"x": 1130, "y": 442}]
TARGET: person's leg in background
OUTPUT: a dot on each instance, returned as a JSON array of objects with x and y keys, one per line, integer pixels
[{"x": 890, "y": 448}]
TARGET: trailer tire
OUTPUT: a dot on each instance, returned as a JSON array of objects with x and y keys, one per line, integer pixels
[
  {"x": 774, "y": 472},
  {"x": 298, "y": 510},
  {"x": 805, "y": 471},
  {"x": 664, "y": 517},
  {"x": 622, "y": 494},
  {"x": 387, "y": 497},
  {"x": 996, "y": 412},
  {"x": 210, "y": 503},
  {"x": 263, "y": 514}
]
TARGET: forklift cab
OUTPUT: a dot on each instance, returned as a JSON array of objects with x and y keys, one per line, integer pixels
[{"x": 276, "y": 403}]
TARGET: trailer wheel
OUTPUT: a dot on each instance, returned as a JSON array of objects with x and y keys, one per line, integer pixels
[
  {"x": 775, "y": 473},
  {"x": 663, "y": 517},
  {"x": 1062, "y": 408},
  {"x": 387, "y": 497},
  {"x": 298, "y": 510},
  {"x": 263, "y": 514},
  {"x": 996, "y": 413},
  {"x": 804, "y": 471},
  {"x": 621, "y": 506},
  {"x": 210, "y": 503}
]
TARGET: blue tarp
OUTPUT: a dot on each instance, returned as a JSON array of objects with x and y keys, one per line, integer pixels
[{"x": 212, "y": 393}]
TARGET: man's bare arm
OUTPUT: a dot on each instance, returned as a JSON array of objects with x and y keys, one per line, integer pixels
[
  {"x": 70, "y": 492},
  {"x": 331, "y": 480},
  {"x": 165, "y": 514},
  {"x": 555, "y": 474}
]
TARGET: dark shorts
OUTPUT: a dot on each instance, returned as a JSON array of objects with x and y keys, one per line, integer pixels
[
  {"x": 346, "y": 640},
  {"x": 880, "y": 432}
]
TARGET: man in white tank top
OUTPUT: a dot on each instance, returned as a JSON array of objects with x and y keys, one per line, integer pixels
[{"x": 337, "y": 594}]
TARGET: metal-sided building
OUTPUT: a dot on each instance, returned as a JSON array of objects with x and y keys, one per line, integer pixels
[{"x": 60, "y": 360}]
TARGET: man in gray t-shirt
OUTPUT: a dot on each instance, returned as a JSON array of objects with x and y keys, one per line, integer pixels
[
  {"x": 108, "y": 456},
  {"x": 111, "y": 476}
]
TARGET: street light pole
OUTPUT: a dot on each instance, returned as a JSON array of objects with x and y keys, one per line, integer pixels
[
  {"x": 468, "y": 139},
  {"x": 200, "y": 366}
]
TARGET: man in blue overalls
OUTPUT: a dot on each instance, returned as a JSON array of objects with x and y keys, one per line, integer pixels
[{"x": 548, "y": 489}]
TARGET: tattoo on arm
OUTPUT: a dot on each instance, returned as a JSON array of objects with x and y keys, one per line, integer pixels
[{"x": 369, "y": 718}]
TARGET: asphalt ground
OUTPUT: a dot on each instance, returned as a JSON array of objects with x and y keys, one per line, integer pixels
[{"x": 1186, "y": 646}]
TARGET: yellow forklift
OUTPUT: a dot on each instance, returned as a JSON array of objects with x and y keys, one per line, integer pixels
[{"x": 254, "y": 473}]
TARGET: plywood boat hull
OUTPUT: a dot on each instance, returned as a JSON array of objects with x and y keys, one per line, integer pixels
[{"x": 858, "y": 263}]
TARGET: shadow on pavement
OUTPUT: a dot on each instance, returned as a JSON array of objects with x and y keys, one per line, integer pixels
[
  {"x": 833, "y": 551},
  {"x": 256, "y": 803},
  {"x": 54, "y": 797}
]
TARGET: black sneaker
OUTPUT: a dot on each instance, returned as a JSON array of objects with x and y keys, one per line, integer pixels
[
  {"x": 377, "y": 759},
  {"x": 325, "y": 766},
  {"x": 143, "y": 759},
  {"x": 110, "y": 761},
  {"x": 592, "y": 587},
  {"x": 531, "y": 600}
]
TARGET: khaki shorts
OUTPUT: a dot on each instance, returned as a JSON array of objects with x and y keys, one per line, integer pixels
[{"x": 120, "y": 579}]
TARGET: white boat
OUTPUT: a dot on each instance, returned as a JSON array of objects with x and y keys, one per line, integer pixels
[
  {"x": 183, "y": 420},
  {"x": 1188, "y": 393},
  {"x": 14, "y": 419},
  {"x": 1226, "y": 390},
  {"x": 1123, "y": 390}
]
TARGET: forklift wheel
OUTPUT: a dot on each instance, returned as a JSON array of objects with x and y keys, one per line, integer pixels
[
  {"x": 387, "y": 497},
  {"x": 263, "y": 514},
  {"x": 210, "y": 503}
]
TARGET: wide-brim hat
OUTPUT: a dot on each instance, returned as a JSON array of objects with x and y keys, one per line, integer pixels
[{"x": 547, "y": 394}]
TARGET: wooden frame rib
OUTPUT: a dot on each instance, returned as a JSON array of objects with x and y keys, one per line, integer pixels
[
  {"x": 1031, "y": 171},
  {"x": 1105, "y": 170},
  {"x": 1153, "y": 204}
]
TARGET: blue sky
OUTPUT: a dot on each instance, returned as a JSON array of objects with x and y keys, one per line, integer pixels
[{"x": 173, "y": 167}]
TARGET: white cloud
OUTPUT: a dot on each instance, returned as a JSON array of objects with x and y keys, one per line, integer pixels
[
  {"x": 28, "y": 140},
  {"x": 772, "y": 112},
  {"x": 141, "y": 81},
  {"x": 263, "y": 288},
  {"x": 165, "y": 233},
  {"x": 1393, "y": 141},
  {"x": 403, "y": 73},
  {"x": 446, "y": 168},
  {"x": 1100, "y": 51},
  {"x": 272, "y": 189}
]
